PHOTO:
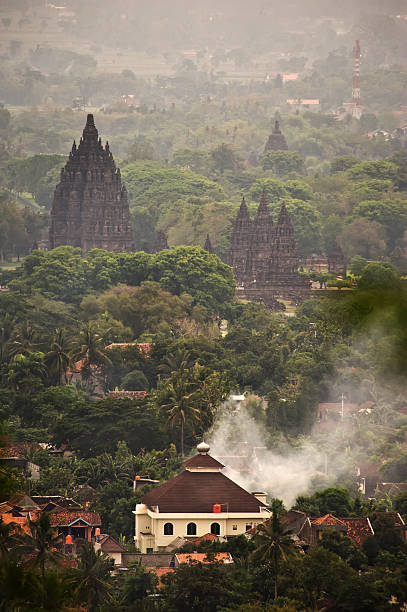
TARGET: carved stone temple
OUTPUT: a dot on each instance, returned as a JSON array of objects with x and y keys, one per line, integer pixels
[
  {"x": 90, "y": 207},
  {"x": 276, "y": 141},
  {"x": 264, "y": 258}
]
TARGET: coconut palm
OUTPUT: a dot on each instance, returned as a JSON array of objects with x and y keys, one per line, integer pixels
[
  {"x": 6, "y": 332},
  {"x": 93, "y": 587},
  {"x": 24, "y": 341},
  {"x": 180, "y": 399},
  {"x": 88, "y": 348},
  {"x": 41, "y": 546},
  {"x": 26, "y": 372},
  {"x": 273, "y": 543},
  {"x": 179, "y": 361},
  {"x": 11, "y": 535},
  {"x": 58, "y": 359}
]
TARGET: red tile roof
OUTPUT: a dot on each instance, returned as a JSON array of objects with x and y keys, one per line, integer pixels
[
  {"x": 198, "y": 492},
  {"x": 224, "y": 557},
  {"x": 160, "y": 572},
  {"x": 328, "y": 519},
  {"x": 355, "y": 527},
  {"x": 394, "y": 516},
  {"x": 63, "y": 519},
  {"x": 359, "y": 528},
  {"x": 127, "y": 394},
  {"x": 208, "y": 537},
  {"x": 78, "y": 367},
  {"x": 144, "y": 347},
  {"x": 18, "y": 449},
  {"x": 21, "y": 522}
]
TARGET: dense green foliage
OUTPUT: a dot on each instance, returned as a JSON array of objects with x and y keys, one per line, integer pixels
[{"x": 190, "y": 139}]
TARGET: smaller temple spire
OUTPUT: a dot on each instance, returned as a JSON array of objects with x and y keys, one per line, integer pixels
[
  {"x": 243, "y": 210},
  {"x": 276, "y": 141},
  {"x": 90, "y": 122},
  {"x": 208, "y": 245},
  {"x": 283, "y": 216},
  {"x": 263, "y": 209},
  {"x": 161, "y": 242}
]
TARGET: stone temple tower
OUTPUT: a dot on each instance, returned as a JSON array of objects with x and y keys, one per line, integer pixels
[
  {"x": 90, "y": 207},
  {"x": 276, "y": 140},
  {"x": 264, "y": 257}
]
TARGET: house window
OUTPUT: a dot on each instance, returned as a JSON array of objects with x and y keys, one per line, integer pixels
[
  {"x": 149, "y": 550},
  {"x": 168, "y": 529},
  {"x": 191, "y": 529},
  {"x": 215, "y": 528},
  {"x": 248, "y": 526},
  {"x": 234, "y": 527}
]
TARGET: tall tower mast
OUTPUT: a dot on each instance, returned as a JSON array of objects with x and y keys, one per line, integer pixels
[{"x": 356, "y": 108}]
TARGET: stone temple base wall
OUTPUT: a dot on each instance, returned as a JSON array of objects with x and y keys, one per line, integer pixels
[{"x": 270, "y": 296}]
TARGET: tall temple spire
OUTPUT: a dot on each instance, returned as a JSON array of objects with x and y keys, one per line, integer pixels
[
  {"x": 161, "y": 242},
  {"x": 284, "y": 217},
  {"x": 263, "y": 209},
  {"x": 264, "y": 257},
  {"x": 240, "y": 239},
  {"x": 276, "y": 141},
  {"x": 208, "y": 245},
  {"x": 90, "y": 207},
  {"x": 243, "y": 210},
  {"x": 90, "y": 133}
]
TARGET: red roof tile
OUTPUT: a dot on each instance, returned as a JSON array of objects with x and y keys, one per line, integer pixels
[
  {"x": 63, "y": 519},
  {"x": 208, "y": 537},
  {"x": 359, "y": 528},
  {"x": 328, "y": 519},
  {"x": 160, "y": 572},
  {"x": 21, "y": 522},
  {"x": 128, "y": 394},
  {"x": 144, "y": 347},
  {"x": 394, "y": 516},
  {"x": 18, "y": 449},
  {"x": 224, "y": 557}
]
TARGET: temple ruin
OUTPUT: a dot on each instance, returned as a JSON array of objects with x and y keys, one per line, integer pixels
[{"x": 90, "y": 207}]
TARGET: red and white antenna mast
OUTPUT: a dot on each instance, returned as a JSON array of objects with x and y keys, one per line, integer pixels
[{"x": 356, "y": 108}]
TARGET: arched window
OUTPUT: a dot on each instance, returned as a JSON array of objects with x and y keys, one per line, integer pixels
[
  {"x": 191, "y": 529},
  {"x": 215, "y": 528},
  {"x": 168, "y": 529}
]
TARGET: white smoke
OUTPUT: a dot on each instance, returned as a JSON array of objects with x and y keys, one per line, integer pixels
[{"x": 239, "y": 441}]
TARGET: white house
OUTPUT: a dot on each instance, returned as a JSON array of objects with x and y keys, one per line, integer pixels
[{"x": 197, "y": 501}]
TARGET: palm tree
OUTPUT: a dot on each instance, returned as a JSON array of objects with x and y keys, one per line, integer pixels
[
  {"x": 26, "y": 372},
  {"x": 89, "y": 348},
  {"x": 10, "y": 536},
  {"x": 179, "y": 361},
  {"x": 180, "y": 397},
  {"x": 6, "y": 331},
  {"x": 41, "y": 546},
  {"x": 274, "y": 543},
  {"x": 94, "y": 568},
  {"x": 24, "y": 341},
  {"x": 58, "y": 359}
]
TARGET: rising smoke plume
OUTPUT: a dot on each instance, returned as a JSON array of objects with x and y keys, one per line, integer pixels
[{"x": 239, "y": 441}]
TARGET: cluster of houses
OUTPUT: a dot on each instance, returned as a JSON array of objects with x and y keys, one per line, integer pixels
[{"x": 199, "y": 504}]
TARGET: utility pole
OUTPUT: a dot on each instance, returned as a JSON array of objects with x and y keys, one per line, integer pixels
[
  {"x": 342, "y": 398},
  {"x": 356, "y": 108}
]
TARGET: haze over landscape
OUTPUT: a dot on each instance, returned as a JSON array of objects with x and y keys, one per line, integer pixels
[{"x": 203, "y": 307}]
